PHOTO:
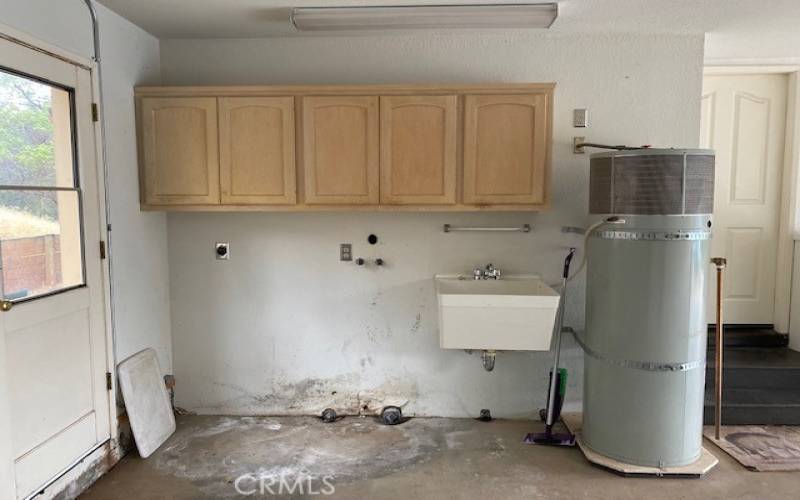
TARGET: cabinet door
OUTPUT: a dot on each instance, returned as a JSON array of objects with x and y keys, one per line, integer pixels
[
  {"x": 340, "y": 150},
  {"x": 256, "y": 150},
  {"x": 505, "y": 149},
  {"x": 418, "y": 149},
  {"x": 180, "y": 161}
]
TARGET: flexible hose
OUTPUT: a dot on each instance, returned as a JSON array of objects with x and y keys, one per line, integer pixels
[{"x": 587, "y": 234}]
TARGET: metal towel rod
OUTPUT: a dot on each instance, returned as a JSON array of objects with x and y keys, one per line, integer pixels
[{"x": 525, "y": 228}]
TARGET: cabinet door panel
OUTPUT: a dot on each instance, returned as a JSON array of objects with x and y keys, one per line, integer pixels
[
  {"x": 179, "y": 147},
  {"x": 340, "y": 150},
  {"x": 505, "y": 149},
  {"x": 418, "y": 149},
  {"x": 257, "y": 164}
]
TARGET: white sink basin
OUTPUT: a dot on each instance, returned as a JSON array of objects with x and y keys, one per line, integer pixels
[{"x": 515, "y": 313}]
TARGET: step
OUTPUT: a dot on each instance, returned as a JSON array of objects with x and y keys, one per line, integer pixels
[
  {"x": 756, "y": 368},
  {"x": 756, "y": 407},
  {"x": 749, "y": 336}
]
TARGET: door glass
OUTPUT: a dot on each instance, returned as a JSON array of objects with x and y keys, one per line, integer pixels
[{"x": 40, "y": 201}]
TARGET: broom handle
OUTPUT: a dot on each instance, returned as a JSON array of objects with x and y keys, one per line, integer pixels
[
  {"x": 718, "y": 341},
  {"x": 562, "y": 303},
  {"x": 551, "y": 395}
]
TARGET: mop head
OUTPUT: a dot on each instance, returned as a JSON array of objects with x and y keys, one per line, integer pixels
[{"x": 550, "y": 438}]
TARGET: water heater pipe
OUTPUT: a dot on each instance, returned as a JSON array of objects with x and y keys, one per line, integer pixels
[
  {"x": 620, "y": 147},
  {"x": 586, "y": 235}
]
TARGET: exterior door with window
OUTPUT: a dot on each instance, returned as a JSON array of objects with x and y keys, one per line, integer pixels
[{"x": 52, "y": 323}]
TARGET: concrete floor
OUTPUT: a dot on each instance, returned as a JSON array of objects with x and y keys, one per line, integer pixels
[{"x": 423, "y": 458}]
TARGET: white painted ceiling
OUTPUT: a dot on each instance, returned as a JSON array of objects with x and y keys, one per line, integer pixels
[{"x": 263, "y": 18}]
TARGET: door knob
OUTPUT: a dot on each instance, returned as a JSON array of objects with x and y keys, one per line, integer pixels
[{"x": 6, "y": 305}]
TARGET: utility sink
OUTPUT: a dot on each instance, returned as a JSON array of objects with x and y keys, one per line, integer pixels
[{"x": 514, "y": 313}]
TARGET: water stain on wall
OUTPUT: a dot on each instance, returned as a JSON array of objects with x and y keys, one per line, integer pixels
[{"x": 310, "y": 396}]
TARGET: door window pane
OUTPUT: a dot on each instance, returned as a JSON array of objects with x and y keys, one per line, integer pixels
[
  {"x": 40, "y": 217},
  {"x": 41, "y": 248},
  {"x": 35, "y": 133}
]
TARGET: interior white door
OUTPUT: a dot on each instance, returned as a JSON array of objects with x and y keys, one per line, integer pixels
[
  {"x": 743, "y": 118},
  {"x": 51, "y": 281}
]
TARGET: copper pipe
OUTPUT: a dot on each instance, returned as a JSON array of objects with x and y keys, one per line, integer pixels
[{"x": 720, "y": 264}]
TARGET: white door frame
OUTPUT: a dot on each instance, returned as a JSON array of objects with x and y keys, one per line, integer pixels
[
  {"x": 7, "y": 488},
  {"x": 789, "y": 185}
]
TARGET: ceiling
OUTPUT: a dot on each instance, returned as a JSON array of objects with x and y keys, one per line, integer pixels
[{"x": 263, "y": 18}]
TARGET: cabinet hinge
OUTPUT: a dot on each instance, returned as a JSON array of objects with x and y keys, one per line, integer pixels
[
  {"x": 102, "y": 250},
  {"x": 95, "y": 113},
  {"x": 109, "y": 381}
]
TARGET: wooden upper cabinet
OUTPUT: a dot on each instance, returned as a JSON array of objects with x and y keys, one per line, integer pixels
[
  {"x": 359, "y": 147},
  {"x": 505, "y": 149},
  {"x": 340, "y": 150},
  {"x": 180, "y": 160},
  {"x": 418, "y": 149},
  {"x": 256, "y": 146}
]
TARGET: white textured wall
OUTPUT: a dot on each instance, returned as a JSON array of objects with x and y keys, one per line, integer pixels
[
  {"x": 64, "y": 23},
  {"x": 752, "y": 46},
  {"x": 283, "y": 325},
  {"x": 130, "y": 56}
]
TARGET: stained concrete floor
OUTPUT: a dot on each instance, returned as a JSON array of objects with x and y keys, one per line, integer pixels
[{"x": 424, "y": 458}]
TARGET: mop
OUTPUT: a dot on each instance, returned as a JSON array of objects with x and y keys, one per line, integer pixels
[{"x": 558, "y": 377}]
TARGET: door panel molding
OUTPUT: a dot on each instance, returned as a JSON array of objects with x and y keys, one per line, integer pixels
[
  {"x": 418, "y": 149},
  {"x": 40, "y": 465},
  {"x": 744, "y": 247},
  {"x": 708, "y": 103},
  {"x": 505, "y": 149},
  {"x": 341, "y": 163},
  {"x": 257, "y": 157},
  {"x": 185, "y": 168},
  {"x": 751, "y": 190}
]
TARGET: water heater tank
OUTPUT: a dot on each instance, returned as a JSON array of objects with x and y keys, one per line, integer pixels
[{"x": 645, "y": 341}]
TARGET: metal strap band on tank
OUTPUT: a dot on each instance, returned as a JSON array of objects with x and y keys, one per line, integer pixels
[
  {"x": 614, "y": 234},
  {"x": 649, "y": 366}
]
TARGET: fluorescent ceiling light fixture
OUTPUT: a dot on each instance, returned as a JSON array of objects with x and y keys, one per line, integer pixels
[{"x": 536, "y": 15}]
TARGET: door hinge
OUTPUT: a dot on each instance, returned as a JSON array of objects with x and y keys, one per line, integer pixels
[
  {"x": 109, "y": 381},
  {"x": 102, "y": 250},
  {"x": 95, "y": 112}
]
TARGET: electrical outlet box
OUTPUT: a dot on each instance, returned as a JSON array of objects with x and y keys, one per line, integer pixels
[
  {"x": 580, "y": 118},
  {"x": 222, "y": 251},
  {"x": 345, "y": 252}
]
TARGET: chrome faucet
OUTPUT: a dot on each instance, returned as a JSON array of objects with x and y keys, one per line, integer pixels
[{"x": 490, "y": 273}]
